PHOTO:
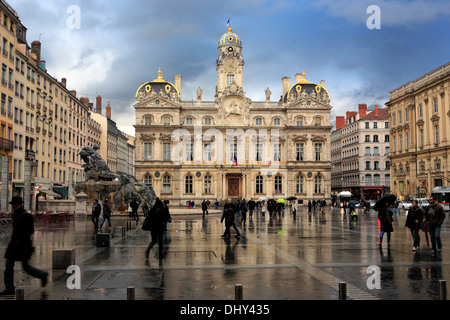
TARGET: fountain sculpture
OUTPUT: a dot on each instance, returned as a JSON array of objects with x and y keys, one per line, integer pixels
[{"x": 118, "y": 188}]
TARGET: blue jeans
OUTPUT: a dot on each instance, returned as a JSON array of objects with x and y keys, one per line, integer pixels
[
  {"x": 435, "y": 235},
  {"x": 415, "y": 235},
  {"x": 103, "y": 221}
]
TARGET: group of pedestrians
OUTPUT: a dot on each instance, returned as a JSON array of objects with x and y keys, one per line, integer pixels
[
  {"x": 428, "y": 219},
  {"x": 314, "y": 206},
  {"x": 98, "y": 211}
]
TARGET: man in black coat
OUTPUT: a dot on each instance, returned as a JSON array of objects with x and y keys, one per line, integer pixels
[
  {"x": 96, "y": 211},
  {"x": 251, "y": 206},
  {"x": 159, "y": 215},
  {"x": 229, "y": 212},
  {"x": 20, "y": 248}
]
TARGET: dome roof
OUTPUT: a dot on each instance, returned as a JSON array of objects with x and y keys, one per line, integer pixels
[
  {"x": 159, "y": 85},
  {"x": 304, "y": 87},
  {"x": 230, "y": 38}
]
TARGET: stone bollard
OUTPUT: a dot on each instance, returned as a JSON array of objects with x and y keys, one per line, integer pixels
[
  {"x": 131, "y": 225},
  {"x": 103, "y": 239},
  {"x": 119, "y": 232},
  {"x": 20, "y": 294},
  {"x": 131, "y": 293},
  {"x": 63, "y": 258},
  {"x": 238, "y": 292},
  {"x": 342, "y": 291}
]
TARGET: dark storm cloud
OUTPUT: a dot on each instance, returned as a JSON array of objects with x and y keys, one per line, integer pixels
[{"x": 121, "y": 44}]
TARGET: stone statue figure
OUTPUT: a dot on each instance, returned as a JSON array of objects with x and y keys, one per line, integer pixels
[
  {"x": 94, "y": 166},
  {"x": 268, "y": 93},
  {"x": 199, "y": 94}
]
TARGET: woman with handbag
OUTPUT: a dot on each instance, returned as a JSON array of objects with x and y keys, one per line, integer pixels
[{"x": 385, "y": 215}]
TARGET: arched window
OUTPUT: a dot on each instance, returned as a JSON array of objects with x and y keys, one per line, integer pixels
[
  {"x": 167, "y": 184},
  {"x": 189, "y": 121},
  {"x": 278, "y": 184},
  {"x": 276, "y": 121},
  {"x": 208, "y": 121},
  {"x": 299, "y": 185},
  {"x": 317, "y": 122},
  {"x": 207, "y": 184},
  {"x": 148, "y": 180},
  {"x": 259, "y": 184},
  {"x": 318, "y": 184},
  {"x": 166, "y": 120},
  {"x": 259, "y": 121},
  {"x": 300, "y": 122},
  {"x": 189, "y": 185},
  {"x": 147, "y": 120}
]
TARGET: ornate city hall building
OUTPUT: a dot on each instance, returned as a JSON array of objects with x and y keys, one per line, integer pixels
[{"x": 233, "y": 146}]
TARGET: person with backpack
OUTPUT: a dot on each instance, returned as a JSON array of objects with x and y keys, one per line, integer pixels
[{"x": 157, "y": 217}]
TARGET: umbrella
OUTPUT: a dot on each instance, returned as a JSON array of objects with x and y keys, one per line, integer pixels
[
  {"x": 380, "y": 203},
  {"x": 354, "y": 201},
  {"x": 281, "y": 201},
  {"x": 262, "y": 198},
  {"x": 291, "y": 198}
]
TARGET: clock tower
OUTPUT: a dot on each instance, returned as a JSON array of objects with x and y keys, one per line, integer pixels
[{"x": 230, "y": 65}]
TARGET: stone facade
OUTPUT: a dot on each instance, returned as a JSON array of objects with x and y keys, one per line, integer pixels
[
  {"x": 419, "y": 115},
  {"x": 233, "y": 146}
]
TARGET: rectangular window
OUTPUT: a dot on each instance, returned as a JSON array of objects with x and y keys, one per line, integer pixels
[
  {"x": 259, "y": 152},
  {"x": 166, "y": 152},
  {"x": 277, "y": 152},
  {"x": 233, "y": 151},
  {"x": 386, "y": 151},
  {"x": 375, "y": 151},
  {"x": 189, "y": 147},
  {"x": 207, "y": 153},
  {"x": 376, "y": 165},
  {"x": 367, "y": 125},
  {"x": 375, "y": 125},
  {"x": 375, "y": 138},
  {"x": 300, "y": 148},
  {"x": 406, "y": 115},
  {"x": 407, "y": 140},
  {"x": 399, "y": 117},
  {"x": 367, "y": 151},
  {"x": 166, "y": 184},
  {"x": 436, "y": 134},
  {"x": 318, "y": 151},
  {"x": 367, "y": 165},
  {"x": 367, "y": 138},
  {"x": 147, "y": 151},
  {"x": 421, "y": 138},
  {"x": 420, "y": 110},
  {"x": 230, "y": 79},
  {"x": 395, "y": 144},
  {"x": 435, "y": 105}
]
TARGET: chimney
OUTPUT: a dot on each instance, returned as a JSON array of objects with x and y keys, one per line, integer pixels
[
  {"x": 286, "y": 84},
  {"x": 362, "y": 110},
  {"x": 376, "y": 110},
  {"x": 36, "y": 49},
  {"x": 340, "y": 122},
  {"x": 73, "y": 92},
  {"x": 64, "y": 82},
  {"x": 98, "y": 106},
  {"x": 178, "y": 82},
  {"x": 108, "y": 111},
  {"x": 299, "y": 77},
  {"x": 85, "y": 101}
]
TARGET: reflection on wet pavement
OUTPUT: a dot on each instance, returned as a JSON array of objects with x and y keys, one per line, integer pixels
[{"x": 282, "y": 258}]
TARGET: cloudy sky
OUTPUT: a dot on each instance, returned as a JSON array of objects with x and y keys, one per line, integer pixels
[{"x": 118, "y": 45}]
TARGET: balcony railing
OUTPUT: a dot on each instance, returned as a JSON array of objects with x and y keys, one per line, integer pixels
[
  {"x": 30, "y": 155},
  {"x": 6, "y": 144}
]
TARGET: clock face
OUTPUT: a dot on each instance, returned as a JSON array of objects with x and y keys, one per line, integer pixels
[{"x": 230, "y": 65}]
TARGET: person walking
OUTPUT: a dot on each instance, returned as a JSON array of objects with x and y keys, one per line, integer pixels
[
  {"x": 232, "y": 206},
  {"x": 322, "y": 205},
  {"x": 158, "y": 216},
  {"x": 20, "y": 247},
  {"x": 96, "y": 210},
  {"x": 166, "y": 214},
  {"x": 413, "y": 220},
  {"x": 434, "y": 217},
  {"x": 309, "y": 207},
  {"x": 263, "y": 208},
  {"x": 204, "y": 208},
  {"x": 385, "y": 215},
  {"x": 229, "y": 210},
  {"x": 217, "y": 205},
  {"x": 243, "y": 213},
  {"x": 106, "y": 214},
  {"x": 134, "y": 209},
  {"x": 145, "y": 209},
  {"x": 251, "y": 206},
  {"x": 294, "y": 209}
]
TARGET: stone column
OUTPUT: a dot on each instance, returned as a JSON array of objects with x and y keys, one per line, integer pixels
[
  {"x": 244, "y": 185},
  {"x": 5, "y": 184},
  {"x": 27, "y": 185},
  {"x": 224, "y": 186},
  {"x": 70, "y": 190},
  {"x": 81, "y": 204}
]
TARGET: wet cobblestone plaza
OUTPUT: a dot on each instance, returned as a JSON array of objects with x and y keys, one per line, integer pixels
[{"x": 274, "y": 259}]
